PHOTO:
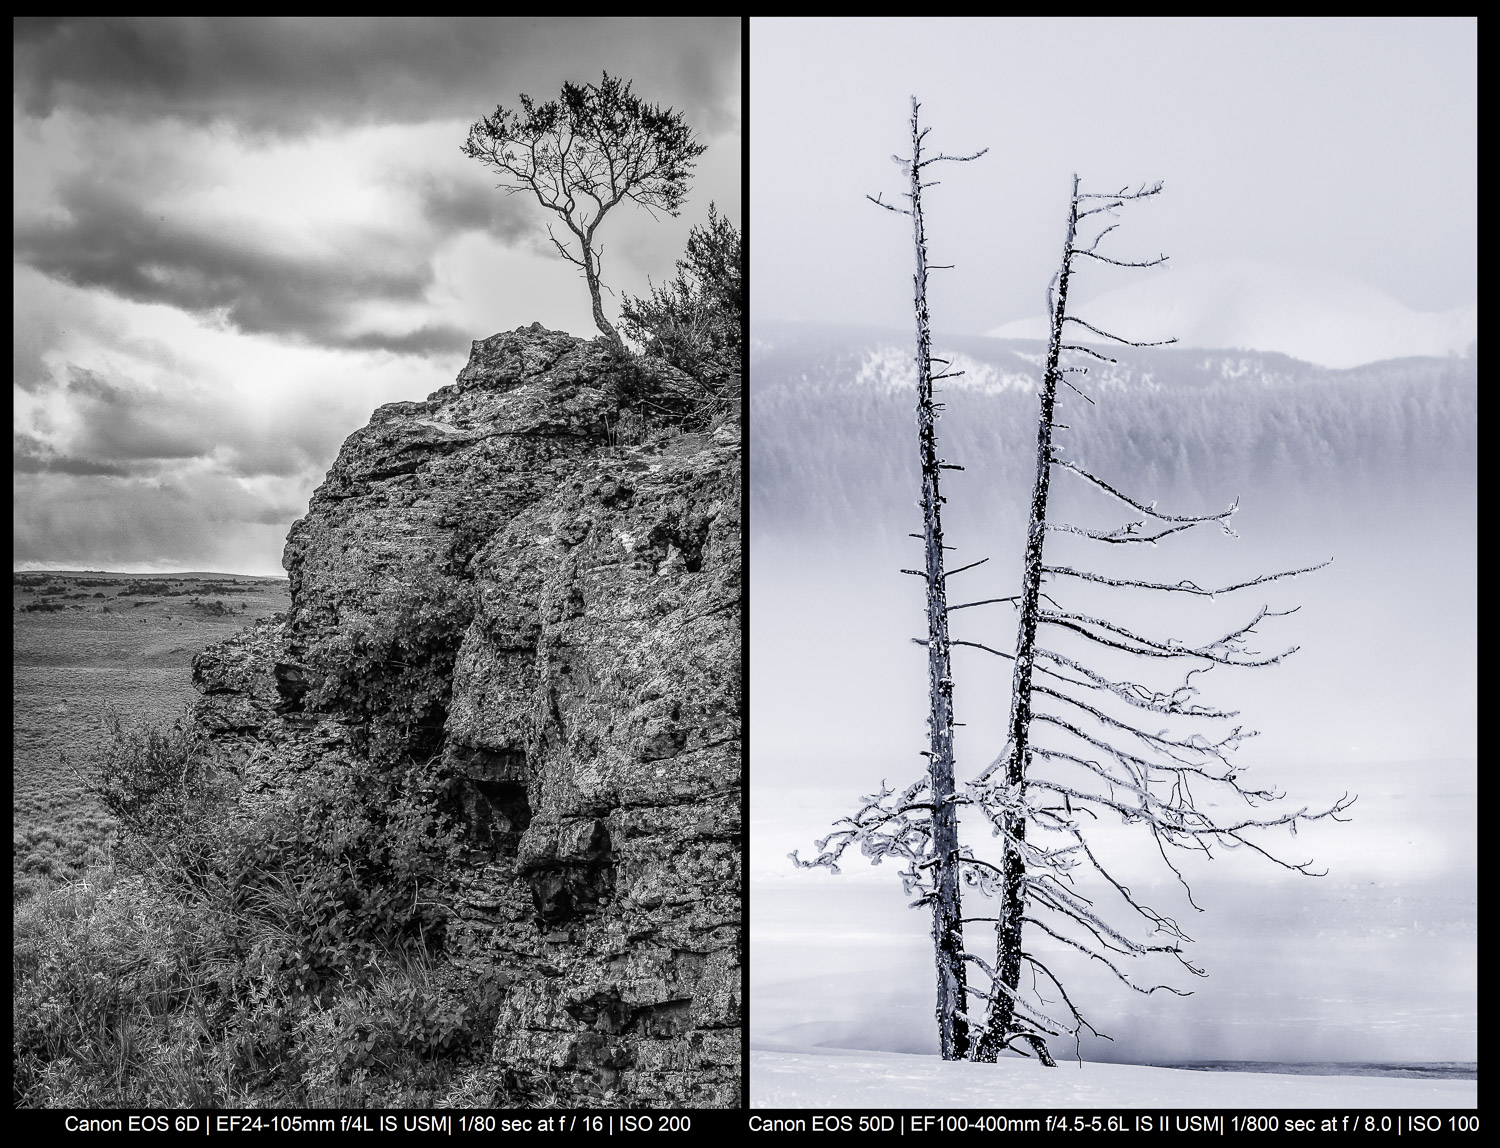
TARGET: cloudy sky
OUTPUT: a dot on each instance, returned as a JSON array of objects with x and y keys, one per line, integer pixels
[
  {"x": 1346, "y": 148},
  {"x": 235, "y": 238}
]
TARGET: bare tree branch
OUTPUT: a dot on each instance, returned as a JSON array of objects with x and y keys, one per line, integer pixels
[
  {"x": 1146, "y": 508},
  {"x": 1184, "y": 586}
]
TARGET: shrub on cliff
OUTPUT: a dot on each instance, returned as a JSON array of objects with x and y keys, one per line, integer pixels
[{"x": 695, "y": 322}]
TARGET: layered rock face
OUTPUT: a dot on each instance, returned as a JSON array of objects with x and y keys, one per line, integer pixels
[{"x": 588, "y": 697}]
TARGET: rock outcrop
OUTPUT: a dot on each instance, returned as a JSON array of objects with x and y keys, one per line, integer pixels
[{"x": 562, "y": 577}]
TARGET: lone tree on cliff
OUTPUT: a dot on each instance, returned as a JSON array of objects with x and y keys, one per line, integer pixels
[
  {"x": 584, "y": 153},
  {"x": 696, "y": 321}
]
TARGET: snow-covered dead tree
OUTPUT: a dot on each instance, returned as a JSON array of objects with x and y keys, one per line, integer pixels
[
  {"x": 1084, "y": 740},
  {"x": 922, "y": 825}
]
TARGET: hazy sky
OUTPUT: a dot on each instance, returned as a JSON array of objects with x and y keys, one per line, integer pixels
[
  {"x": 1346, "y": 146},
  {"x": 234, "y": 238}
]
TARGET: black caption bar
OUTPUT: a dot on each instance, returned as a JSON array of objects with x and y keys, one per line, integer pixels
[
  {"x": 1063, "y": 1123},
  {"x": 280, "y": 1126},
  {"x": 932, "y": 1124}
]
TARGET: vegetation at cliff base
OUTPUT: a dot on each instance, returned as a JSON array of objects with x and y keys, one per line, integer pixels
[
  {"x": 245, "y": 951},
  {"x": 219, "y": 944}
]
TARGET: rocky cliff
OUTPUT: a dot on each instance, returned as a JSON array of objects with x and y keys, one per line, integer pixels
[{"x": 533, "y": 579}]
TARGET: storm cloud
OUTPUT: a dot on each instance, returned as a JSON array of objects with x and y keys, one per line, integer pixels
[
  {"x": 233, "y": 238},
  {"x": 289, "y": 75},
  {"x": 123, "y": 224}
]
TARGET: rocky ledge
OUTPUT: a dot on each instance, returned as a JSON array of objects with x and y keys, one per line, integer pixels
[{"x": 587, "y": 702}]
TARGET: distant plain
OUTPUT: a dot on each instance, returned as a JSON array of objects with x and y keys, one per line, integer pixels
[{"x": 86, "y": 643}]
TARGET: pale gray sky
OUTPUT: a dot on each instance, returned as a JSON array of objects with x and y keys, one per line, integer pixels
[
  {"x": 234, "y": 238},
  {"x": 1344, "y": 146}
]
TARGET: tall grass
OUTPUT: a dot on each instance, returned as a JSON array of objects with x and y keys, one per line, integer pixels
[{"x": 249, "y": 951}]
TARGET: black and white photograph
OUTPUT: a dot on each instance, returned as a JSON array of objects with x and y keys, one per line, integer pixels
[
  {"x": 1113, "y": 564},
  {"x": 378, "y": 581}
]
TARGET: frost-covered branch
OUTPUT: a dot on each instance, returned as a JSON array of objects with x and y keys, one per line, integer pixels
[
  {"x": 889, "y": 823},
  {"x": 1228, "y": 650},
  {"x": 1121, "y": 534},
  {"x": 1149, "y": 508},
  {"x": 1174, "y": 701},
  {"x": 1183, "y": 587},
  {"x": 1193, "y": 742}
]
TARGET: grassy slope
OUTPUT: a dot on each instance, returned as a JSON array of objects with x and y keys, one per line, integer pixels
[{"x": 129, "y": 650}]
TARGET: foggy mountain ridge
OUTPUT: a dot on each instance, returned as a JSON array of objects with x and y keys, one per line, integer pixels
[
  {"x": 992, "y": 364},
  {"x": 831, "y": 409},
  {"x": 1319, "y": 316}
]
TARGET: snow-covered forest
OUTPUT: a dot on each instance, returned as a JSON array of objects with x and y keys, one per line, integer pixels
[{"x": 1193, "y": 426}]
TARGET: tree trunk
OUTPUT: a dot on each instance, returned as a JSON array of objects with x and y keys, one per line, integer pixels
[
  {"x": 591, "y": 274},
  {"x": 1001, "y": 1024},
  {"x": 947, "y": 915}
]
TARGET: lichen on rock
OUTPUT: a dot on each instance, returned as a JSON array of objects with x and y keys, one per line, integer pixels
[{"x": 535, "y": 578}]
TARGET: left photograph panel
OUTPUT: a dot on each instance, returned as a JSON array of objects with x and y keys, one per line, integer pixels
[{"x": 378, "y": 563}]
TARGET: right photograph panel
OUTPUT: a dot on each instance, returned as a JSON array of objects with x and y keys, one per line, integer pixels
[{"x": 1113, "y": 579}]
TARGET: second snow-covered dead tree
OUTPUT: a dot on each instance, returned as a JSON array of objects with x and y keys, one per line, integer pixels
[
  {"x": 1086, "y": 741},
  {"x": 920, "y": 825}
]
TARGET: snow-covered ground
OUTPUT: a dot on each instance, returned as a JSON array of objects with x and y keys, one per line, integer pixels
[
  {"x": 1376, "y": 962},
  {"x": 843, "y": 1078}
]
